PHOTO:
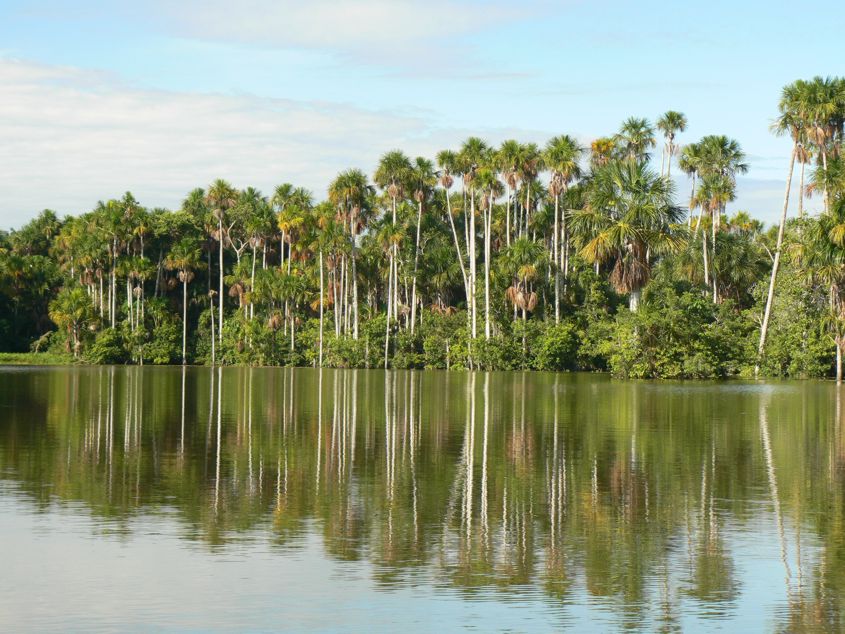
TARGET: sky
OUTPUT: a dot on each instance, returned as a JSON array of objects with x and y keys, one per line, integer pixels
[{"x": 98, "y": 97}]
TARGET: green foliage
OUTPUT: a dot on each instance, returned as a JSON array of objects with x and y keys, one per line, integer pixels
[
  {"x": 558, "y": 348},
  {"x": 109, "y": 347}
]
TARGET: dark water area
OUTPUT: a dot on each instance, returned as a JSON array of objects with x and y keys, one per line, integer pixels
[{"x": 243, "y": 499}]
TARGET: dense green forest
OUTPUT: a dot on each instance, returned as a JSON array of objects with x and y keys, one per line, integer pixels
[{"x": 559, "y": 257}]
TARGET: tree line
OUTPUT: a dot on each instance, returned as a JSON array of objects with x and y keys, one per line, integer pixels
[{"x": 558, "y": 257}]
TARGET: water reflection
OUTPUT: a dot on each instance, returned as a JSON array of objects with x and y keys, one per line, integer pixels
[{"x": 663, "y": 504}]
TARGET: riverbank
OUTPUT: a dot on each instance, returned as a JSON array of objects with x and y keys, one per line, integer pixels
[{"x": 35, "y": 358}]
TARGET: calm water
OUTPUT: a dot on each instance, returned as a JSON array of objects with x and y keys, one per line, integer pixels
[{"x": 238, "y": 499}]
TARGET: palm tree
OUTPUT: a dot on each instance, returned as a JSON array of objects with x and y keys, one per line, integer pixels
[
  {"x": 690, "y": 163},
  {"x": 474, "y": 154},
  {"x": 506, "y": 161},
  {"x": 392, "y": 175},
  {"x": 422, "y": 180},
  {"x": 221, "y": 196},
  {"x": 562, "y": 157},
  {"x": 635, "y": 138},
  {"x": 721, "y": 159},
  {"x": 72, "y": 310},
  {"x": 789, "y": 122},
  {"x": 351, "y": 192},
  {"x": 670, "y": 123},
  {"x": 491, "y": 188},
  {"x": 629, "y": 215},
  {"x": 184, "y": 258},
  {"x": 825, "y": 261},
  {"x": 601, "y": 151}
]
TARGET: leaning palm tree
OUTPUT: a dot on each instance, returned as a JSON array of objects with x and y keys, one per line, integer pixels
[
  {"x": 562, "y": 158},
  {"x": 184, "y": 258},
  {"x": 629, "y": 216},
  {"x": 670, "y": 123},
  {"x": 789, "y": 122}
]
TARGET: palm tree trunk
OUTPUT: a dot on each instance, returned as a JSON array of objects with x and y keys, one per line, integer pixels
[
  {"x": 184, "y": 317},
  {"x": 389, "y": 309},
  {"x": 691, "y": 202},
  {"x": 321, "y": 307},
  {"x": 713, "y": 261},
  {"x": 220, "y": 285},
  {"x": 211, "y": 310},
  {"x": 487, "y": 227},
  {"x": 252, "y": 286},
  {"x": 507, "y": 213},
  {"x": 704, "y": 252},
  {"x": 416, "y": 266},
  {"x": 801, "y": 193},
  {"x": 556, "y": 257},
  {"x": 634, "y": 300},
  {"x": 770, "y": 296},
  {"x": 472, "y": 264}
]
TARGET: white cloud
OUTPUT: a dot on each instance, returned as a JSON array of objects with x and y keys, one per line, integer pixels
[{"x": 71, "y": 137}]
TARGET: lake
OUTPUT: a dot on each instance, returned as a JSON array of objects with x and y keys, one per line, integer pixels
[{"x": 243, "y": 499}]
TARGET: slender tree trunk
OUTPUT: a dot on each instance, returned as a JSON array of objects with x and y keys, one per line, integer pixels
[
  {"x": 213, "y": 351},
  {"x": 389, "y": 310},
  {"x": 801, "y": 193},
  {"x": 184, "y": 317},
  {"x": 252, "y": 286},
  {"x": 487, "y": 219},
  {"x": 507, "y": 213},
  {"x": 220, "y": 276},
  {"x": 322, "y": 292},
  {"x": 416, "y": 268},
  {"x": 704, "y": 252},
  {"x": 556, "y": 257},
  {"x": 778, "y": 246},
  {"x": 691, "y": 202},
  {"x": 473, "y": 263},
  {"x": 713, "y": 222}
]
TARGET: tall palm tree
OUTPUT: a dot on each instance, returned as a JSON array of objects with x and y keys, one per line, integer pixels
[
  {"x": 422, "y": 181},
  {"x": 491, "y": 188},
  {"x": 474, "y": 154},
  {"x": 721, "y": 160},
  {"x": 184, "y": 258},
  {"x": 690, "y": 163},
  {"x": 788, "y": 122},
  {"x": 635, "y": 138},
  {"x": 220, "y": 197},
  {"x": 670, "y": 123},
  {"x": 506, "y": 161},
  {"x": 392, "y": 176},
  {"x": 825, "y": 261},
  {"x": 562, "y": 158},
  {"x": 350, "y": 192},
  {"x": 629, "y": 214}
]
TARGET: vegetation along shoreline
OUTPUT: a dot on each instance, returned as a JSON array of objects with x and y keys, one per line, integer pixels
[{"x": 561, "y": 257}]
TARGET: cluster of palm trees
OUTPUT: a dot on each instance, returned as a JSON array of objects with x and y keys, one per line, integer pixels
[{"x": 502, "y": 233}]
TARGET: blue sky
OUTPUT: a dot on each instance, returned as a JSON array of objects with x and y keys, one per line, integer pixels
[{"x": 99, "y": 97}]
